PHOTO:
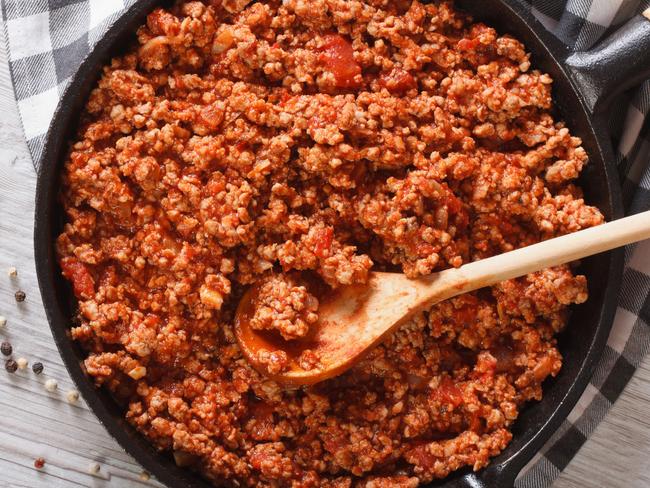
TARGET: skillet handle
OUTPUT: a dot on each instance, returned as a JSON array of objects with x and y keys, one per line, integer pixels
[{"x": 618, "y": 63}]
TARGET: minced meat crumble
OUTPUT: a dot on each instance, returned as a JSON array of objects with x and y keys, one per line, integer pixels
[
  {"x": 284, "y": 306},
  {"x": 240, "y": 141}
]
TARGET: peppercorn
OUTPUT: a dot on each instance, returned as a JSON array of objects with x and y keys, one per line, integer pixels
[
  {"x": 37, "y": 368},
  {"x": 11, "y": 366},
  {"x": 20, "y": 296},
  {"x": 3, "y": 321},
  {"x": 39, "y": 463},
  {"x": 6, "y": 349},
  {"x": 72, "y": 396},
  {"x": 94, "y": 468},
  {"x": 144, "y": 476},
  {"x": 22, "y": 363},
  {"x": 12, "y": 272},
  {"x": 51, "y": 385}
]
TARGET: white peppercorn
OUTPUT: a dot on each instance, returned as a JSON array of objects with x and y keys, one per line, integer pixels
[{"x": 51, "y": 385}]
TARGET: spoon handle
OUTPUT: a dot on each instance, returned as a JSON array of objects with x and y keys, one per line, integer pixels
[{"x": 552, "y": 252}]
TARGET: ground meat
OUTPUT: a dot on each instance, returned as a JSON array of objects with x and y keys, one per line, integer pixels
[
  {"x": 285, "y": 307},
  {"x": 274, "y": 362},
  {"x": 312, "y": 141}
]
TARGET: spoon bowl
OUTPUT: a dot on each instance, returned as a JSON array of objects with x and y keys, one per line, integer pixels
[{"x": 352, "y": 321}]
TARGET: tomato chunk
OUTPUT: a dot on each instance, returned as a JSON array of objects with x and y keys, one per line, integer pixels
[
  {"x": 468, "y": 44},
  {"x": 338, "y": 57},
  {"x": 261, "y": 423},
  {"x": 82, "y": 281},
  {"x": 324, "y": 240},
  {"x": 456, "y": 208},
  {"x": 447, "y": 392},
  {"x": 398, "y": 81}
]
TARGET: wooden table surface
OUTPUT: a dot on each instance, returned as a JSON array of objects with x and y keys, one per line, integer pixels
[{"x": 35, "y": 423}]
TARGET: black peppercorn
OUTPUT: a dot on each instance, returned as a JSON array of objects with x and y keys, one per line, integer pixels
[
  {"x": 11, "y": 366},
  {"x": 20, "y": 296},
  {"x": 6, "y": 349},
  {"x": 37, "y": 368}
]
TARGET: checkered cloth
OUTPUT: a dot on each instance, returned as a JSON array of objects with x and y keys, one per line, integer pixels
[{"x": 47, "y": 39}]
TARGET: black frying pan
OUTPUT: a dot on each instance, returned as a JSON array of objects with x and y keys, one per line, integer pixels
[{"x": 585, "y": 85}]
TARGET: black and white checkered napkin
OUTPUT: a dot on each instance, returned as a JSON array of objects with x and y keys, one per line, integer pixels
[{"x": 47, "y": 39}]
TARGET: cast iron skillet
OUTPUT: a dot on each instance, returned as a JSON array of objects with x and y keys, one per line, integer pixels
[{"x": 585, "y": 84}]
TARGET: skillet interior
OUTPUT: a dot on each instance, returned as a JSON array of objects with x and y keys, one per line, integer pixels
[{"x": 581, "y": 344}]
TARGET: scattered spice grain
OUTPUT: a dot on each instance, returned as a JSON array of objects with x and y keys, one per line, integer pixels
[
  {"x": 39, "y": 463},
  {"x": 6, "y": 348},
  {"x": 37, "y": 368},
  {"x": 11, "y": 366},
  {"x": 145, "y": 476},
  {"x": 51, "y": 385},
  {"x": 94, "y": 468},
  {"x": 12, "y": 272},
  {"x": 22, "y": 363},
  {"x": 20, "y": 296},
  {"x": 3, "y": 321},
  {"x": 72, "y": 396}
]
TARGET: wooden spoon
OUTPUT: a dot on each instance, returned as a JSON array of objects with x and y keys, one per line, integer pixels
[{"x": 354, "y": 319}]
